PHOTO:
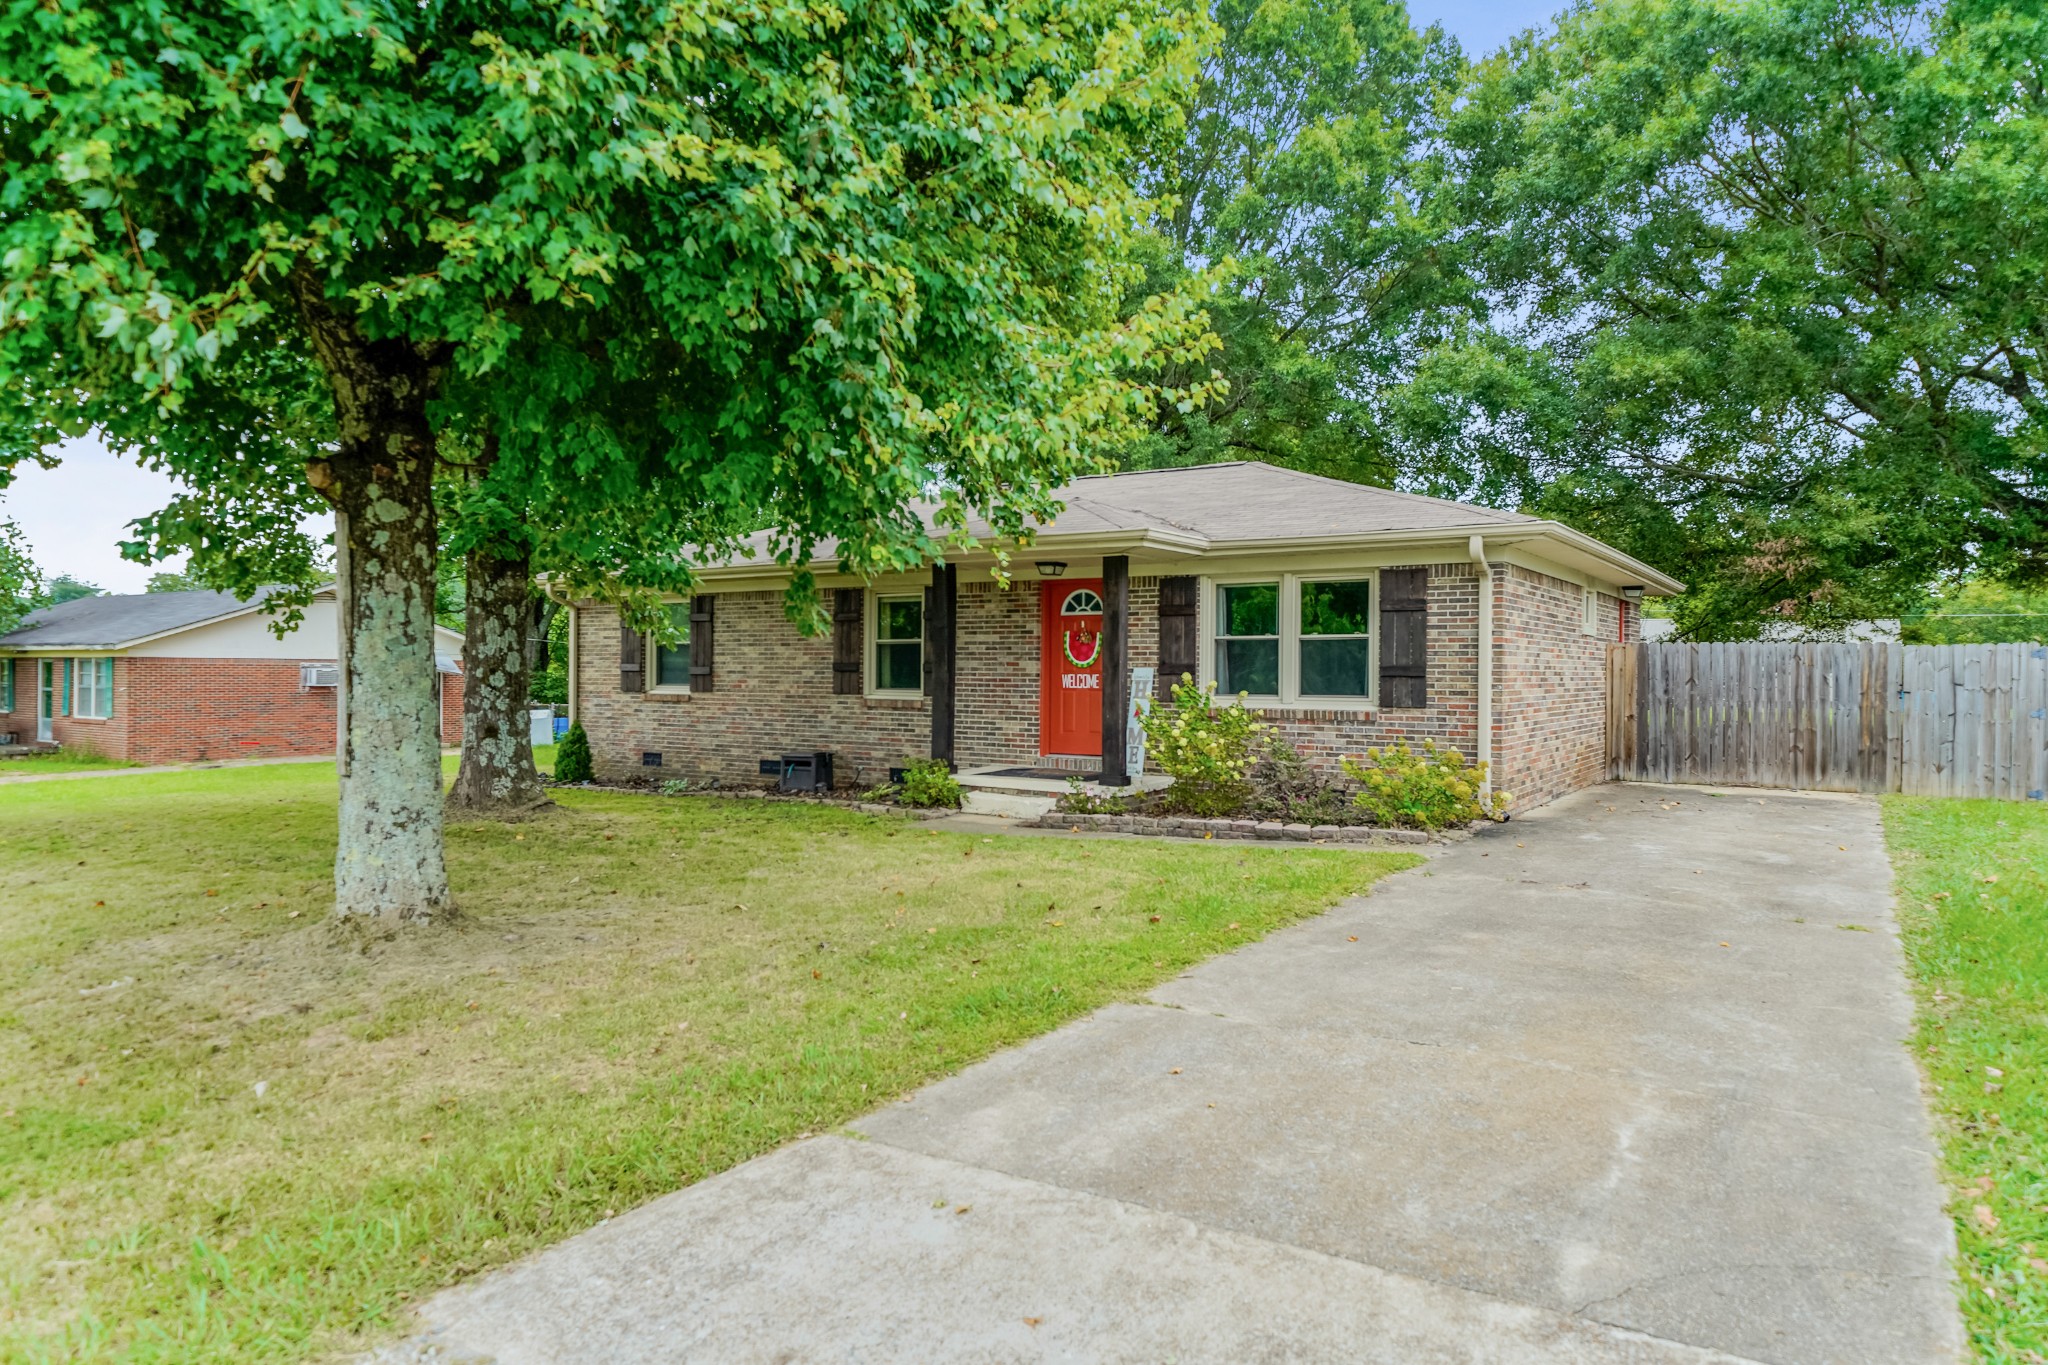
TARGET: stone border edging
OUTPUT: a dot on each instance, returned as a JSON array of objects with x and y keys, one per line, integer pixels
[{"x": 1190, "y": 827}]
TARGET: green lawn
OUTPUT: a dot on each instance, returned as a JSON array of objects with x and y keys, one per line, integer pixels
[
  {"x": 63, "y": 761},
  {"x": 229, "y": 1133},
  {"x": 1973, "y": 899}
]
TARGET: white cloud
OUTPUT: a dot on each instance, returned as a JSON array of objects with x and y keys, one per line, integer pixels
[{"x": 76, "y": 515}]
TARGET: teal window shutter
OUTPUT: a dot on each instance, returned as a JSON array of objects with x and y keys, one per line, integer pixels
[
  {"x": 106, "y": 666},
  {"x": 64, "y": 666},
  {"x": 6, "y": 684}
]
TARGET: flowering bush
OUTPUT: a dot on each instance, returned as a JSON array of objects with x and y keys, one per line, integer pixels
[
  {"x": 1207, "y": 750},
  {"x": 1433, "y": 789}
]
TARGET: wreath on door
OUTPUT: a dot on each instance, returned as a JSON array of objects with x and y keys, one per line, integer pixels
[{"x": 1090, "y": 641}]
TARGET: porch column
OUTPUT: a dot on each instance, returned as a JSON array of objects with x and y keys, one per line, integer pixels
[
  {"x": 1116, "y": 667},
  {"x": 941, "y": 630}
]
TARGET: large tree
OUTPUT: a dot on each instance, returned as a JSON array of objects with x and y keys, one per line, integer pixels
[
  {"x": 791, "y": 263},
  {"x": 1768, "y": 282},
  {"x": 1298, "y": 166}
]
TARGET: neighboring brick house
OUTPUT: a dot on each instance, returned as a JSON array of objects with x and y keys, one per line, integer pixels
[
  {"x": 1352, "y": 616},
  {"x": 185, "y": 677}
]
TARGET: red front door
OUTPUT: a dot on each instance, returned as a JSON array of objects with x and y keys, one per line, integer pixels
[{"x": 1070, "y": 667}]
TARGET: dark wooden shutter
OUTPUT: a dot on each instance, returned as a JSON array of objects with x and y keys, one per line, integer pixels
[
  {"x": 701, "y": 642},
  {"x": 846, "y": 626},
  {"x": 632, "y": 649},
  {"x": 1180, "y": 648},
  {"x": 1404, "y": 637}
]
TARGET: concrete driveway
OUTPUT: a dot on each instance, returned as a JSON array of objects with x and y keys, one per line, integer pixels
[{"x": 1615, "y": 1082}]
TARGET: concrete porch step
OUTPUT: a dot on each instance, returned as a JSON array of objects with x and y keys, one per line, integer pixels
[{"x": 991, "y": 790}]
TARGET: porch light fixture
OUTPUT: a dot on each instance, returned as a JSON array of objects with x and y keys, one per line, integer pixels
[
  {"x": 1633, "y": 593},
  {"x": 1051, "y": 568}
]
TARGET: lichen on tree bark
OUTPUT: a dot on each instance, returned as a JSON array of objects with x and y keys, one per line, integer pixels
[{"x": 497, "y": 775}]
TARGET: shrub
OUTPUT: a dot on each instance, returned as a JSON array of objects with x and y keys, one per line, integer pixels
[
  {"x": 929, "y": 782},
  {"x": 1205, "y": 749},
  {"x": 1083, "y": 800},
  {"x": 1285, "y": 787},
  {"x": 572, "y": 756},
  {"x": 676, "y": 786},
  {"x": 1432, "y": 790}
]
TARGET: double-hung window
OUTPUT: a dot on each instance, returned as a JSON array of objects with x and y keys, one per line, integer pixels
[
  {"x": 1295, "y": 638},
  {"x": 1248, "y": 639},
  {"x": 672, "y": 660},
  {"x": 92, "y": 688},
  {"x": 1336, "y": 638},
  {"x": 899, "y": 644}
]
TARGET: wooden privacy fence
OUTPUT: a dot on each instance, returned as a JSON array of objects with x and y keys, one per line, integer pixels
[{"x": 1930, "y": 720}]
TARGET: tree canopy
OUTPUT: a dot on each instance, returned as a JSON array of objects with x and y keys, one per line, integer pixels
[
  {"x": 1766, "y": 283},
  {"x": 1298, "y": 167},
  {"x": 695, "y": 270}
]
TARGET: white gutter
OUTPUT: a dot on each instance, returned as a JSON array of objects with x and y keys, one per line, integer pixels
[{"x": 1476, "y": 547}]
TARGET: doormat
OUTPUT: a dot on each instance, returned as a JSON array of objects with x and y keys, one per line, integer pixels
[{"x": 1039, "y": 772}]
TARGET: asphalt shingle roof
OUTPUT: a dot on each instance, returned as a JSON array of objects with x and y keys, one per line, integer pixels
[
  {"x": 1244, "y": 500},
  {"x": 109, "y": 621}
]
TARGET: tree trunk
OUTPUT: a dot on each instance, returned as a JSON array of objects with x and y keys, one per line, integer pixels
[
  {"x": 497, "y": 776},
  {"x": 388, "y": 860}
]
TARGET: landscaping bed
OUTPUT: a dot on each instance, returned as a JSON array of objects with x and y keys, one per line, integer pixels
[
  {"x": 1197, "y": 827},
  {"x": 1972, "y": 885},
  {"x": 229, "y": 1132}
]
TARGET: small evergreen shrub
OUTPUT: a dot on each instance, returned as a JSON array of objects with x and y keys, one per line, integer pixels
[
  {"x": 1207, "y": 750},
  {"x": 929, "y": 782},
  {"x": 572, "y": 756},
  {"x": 1433, "y": 789},
  {"x": 676, "y": 786},
  {"x": 1084, "y": 800}
]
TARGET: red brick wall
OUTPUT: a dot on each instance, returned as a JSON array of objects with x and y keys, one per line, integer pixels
[
  {"x": 204, "y": 710},
  {"x": 774, "y": 691},
  {"x": 1550, "y": 681},
  {"x": 451, "y": 710}
]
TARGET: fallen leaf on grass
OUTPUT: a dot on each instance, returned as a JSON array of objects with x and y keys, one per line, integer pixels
[{"x": 1986, "y": 1219}]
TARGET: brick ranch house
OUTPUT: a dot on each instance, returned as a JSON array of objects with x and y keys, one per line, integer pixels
[
  {"x": 185, "y": 677},
  {"x": 1352, "y": 616}
]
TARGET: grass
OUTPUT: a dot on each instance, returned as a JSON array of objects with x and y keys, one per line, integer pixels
[
  {"x": 1972, "y": 879},
  {"x": 230, "y": 1132},
  {"x": 62, "y": 761}
]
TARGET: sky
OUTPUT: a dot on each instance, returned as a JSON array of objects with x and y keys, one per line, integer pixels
[{"x": 74, "y": 515}]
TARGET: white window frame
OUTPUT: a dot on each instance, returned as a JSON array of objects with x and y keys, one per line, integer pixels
[
  {"x": 650, "y": 657},
  {"x": 872, "y": 642},
  {"x": 102, "y": 698},
  {"x": 1589, "y": 610},
  {"x": 1290, "y": 693},
  {"x": 1291, "y": 595}
]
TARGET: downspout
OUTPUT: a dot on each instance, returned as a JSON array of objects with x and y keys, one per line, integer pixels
[{"x": 1477, "y": 549}]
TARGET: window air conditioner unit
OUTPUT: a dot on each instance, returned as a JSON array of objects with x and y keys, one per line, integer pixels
[{"x": 319, "y": 675}]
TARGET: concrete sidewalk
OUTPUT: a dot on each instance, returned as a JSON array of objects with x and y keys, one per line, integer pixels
[{"x": 1615, "y": 1082}]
